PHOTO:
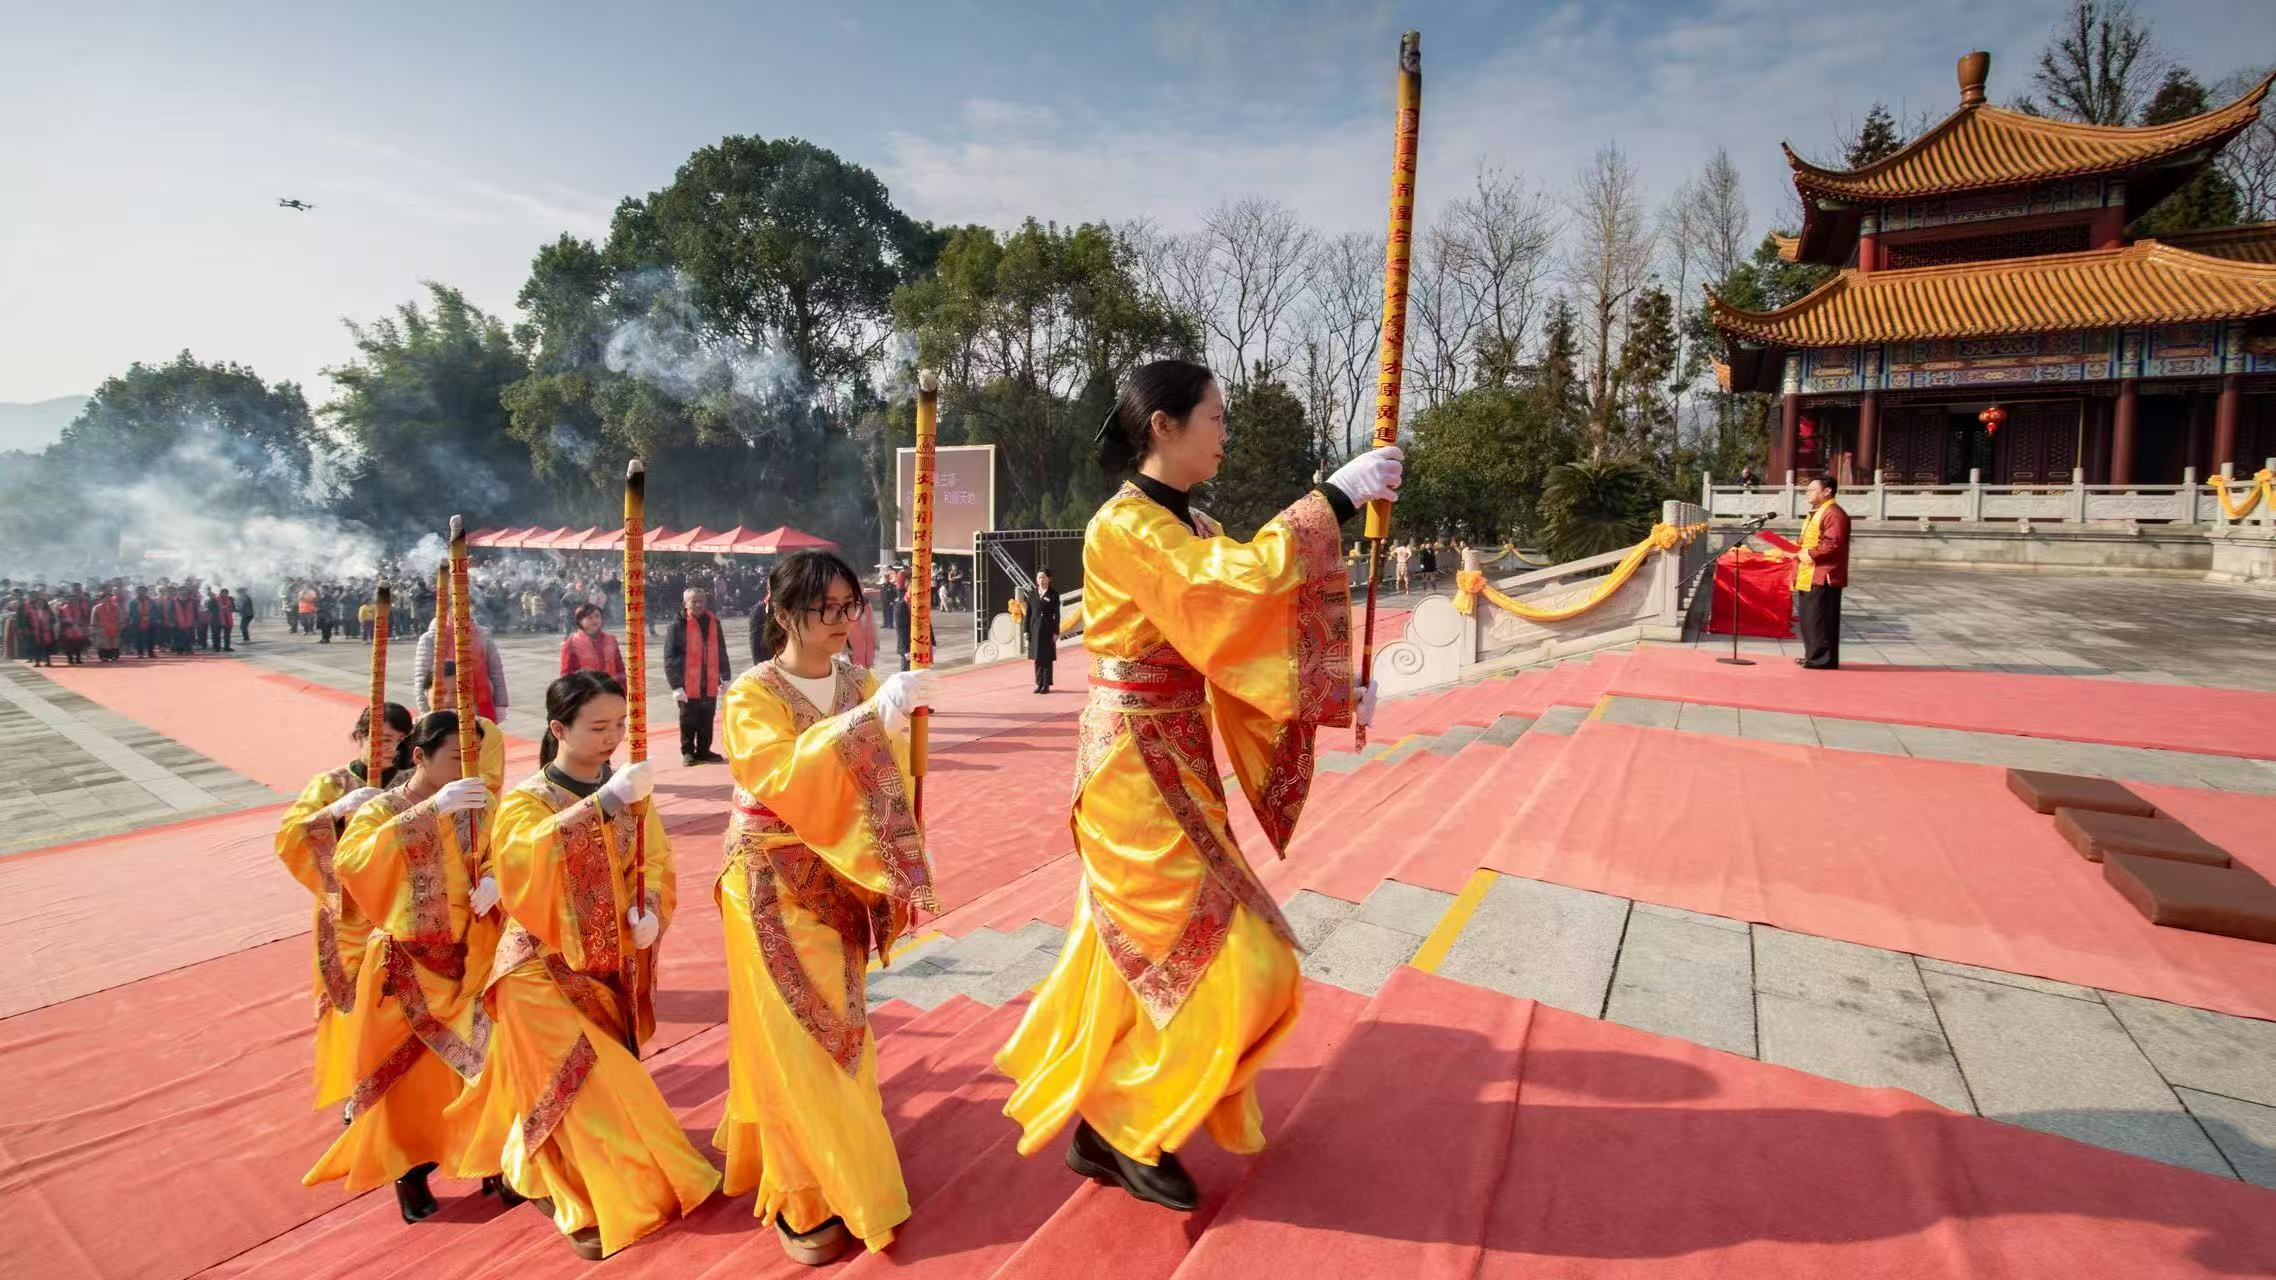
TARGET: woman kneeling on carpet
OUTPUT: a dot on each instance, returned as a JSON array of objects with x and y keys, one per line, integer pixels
[
  {"x": 413, "y": 860},
  {"x": 825, "y": 866},
  {"x": 1179, "y": 975},
  {"x": 564, "y": 1113}
]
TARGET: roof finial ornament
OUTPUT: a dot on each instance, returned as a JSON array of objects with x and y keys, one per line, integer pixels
[{"x": 1974, "y": 67}]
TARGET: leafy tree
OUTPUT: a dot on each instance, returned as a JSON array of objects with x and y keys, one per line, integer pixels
[
  {"x": 1591, "y": 507},
  {"x": 421, "y": 409},
  {"x": 2207, "y": 200},
  {"x": 1269, "y": 459},
  {"x": 1477, "y": 462},
  {"x": 2099, "y": 63},
  {"x": 1876, "y": 140},
  {"x": 263, "y": 433},
  {"x": 1645, "y": 380}
]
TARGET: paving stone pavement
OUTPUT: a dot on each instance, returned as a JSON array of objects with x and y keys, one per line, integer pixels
[{"x": 82, "y": 771}]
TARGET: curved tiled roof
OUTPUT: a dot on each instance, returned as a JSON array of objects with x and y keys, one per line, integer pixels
[
  {"x": 2145, "y": 283},
  {"x": 1982, "y": 147},
  {"x": 2252, "y": 242}
]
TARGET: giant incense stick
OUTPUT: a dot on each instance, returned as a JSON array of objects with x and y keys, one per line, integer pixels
[
  {"x": 462, "y": 667},
  {"x": 1391, "y": 357},
  {"x": 375, "y": 757},
  {"x": 921, "y": 570},
  {"x": 636, "y": 678}
]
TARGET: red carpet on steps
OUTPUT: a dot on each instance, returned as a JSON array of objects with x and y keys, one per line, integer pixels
[
  {"x": 1543, "y": 1144},
  {"x": 1924, "y": 856},
  {"x": 2171, "y": 717}
]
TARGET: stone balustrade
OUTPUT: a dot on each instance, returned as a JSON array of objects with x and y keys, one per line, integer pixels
[{"x": 2077, "y": 503}]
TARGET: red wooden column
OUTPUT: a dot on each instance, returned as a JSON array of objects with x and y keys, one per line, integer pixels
[
  {"x": 1869, "y": 434},
  {"x": 2098, "y": 440},
  {"x": 1789, "y": 435},
  {"x": 2122, "y": 435},
  {"x": 2194, "y": 454},
  {"x": 2225, "y": 413}
]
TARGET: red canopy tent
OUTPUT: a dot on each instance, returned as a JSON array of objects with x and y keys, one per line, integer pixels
[
  {"x": 548, "y": 539},
  {"x": 610, "y": 540},
  {"x": 679, "y": 541},
  {"x": 575, "y": 541},
  {"x": 481, "y": 537},
  {"x": 495, "y": 537},
  {"x": 778, "y": 541},
  {"x": 513, "y": 538},
  {"x": 718, "y": 542}
]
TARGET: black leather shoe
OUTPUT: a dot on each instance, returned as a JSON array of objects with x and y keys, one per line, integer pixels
[
  {"x": 1165, "y": 1184},
  {"x": 495, "y": 1185},
  {"x": 709, "y": 757},
  {"x": 412, "y": 1196}
]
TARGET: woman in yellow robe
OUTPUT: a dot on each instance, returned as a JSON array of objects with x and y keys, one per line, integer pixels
[
  {"x": 825, "y": 866},
  {"x": 306, "y": 843},
  {"x": 412, "y": 860},
  {"x": 564, "y": 1111},
  {"x": 1179, "y": 974}
]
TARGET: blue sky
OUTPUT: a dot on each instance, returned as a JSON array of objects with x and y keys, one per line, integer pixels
[{"x": 143, "y": 146}]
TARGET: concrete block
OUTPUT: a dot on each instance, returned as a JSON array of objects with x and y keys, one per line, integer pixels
[
  {"x": 1455, "y": 738},
  {"x": 1360, "y": 956},
  {"x": 1506, "y": 730},
  {"x": 1315, "y": 915},
  {"x": 1017, "y": 975},
  {"x": 922, "y": 984},
  {"x": 1692, "y": 981},
  {"x": 1776, "y": 726},
  {"x": 1857, "y": 735},
  {"x": 2213, "y": 1052},
  {"x": 2244, "y": 1131},
  {"x": 1858, "y": 1048},
  {"x": 1695, "y": 917},
  {"x": 1930, "y": 964},
  {"x": 1841, "y": 975},
  {"x": 1699, "y": 717},
  {"x": 1404, "y": 907},
  {"x": 1651, "y": 713},
  {"x": 1541, "y": 941},
  {"x": 2067, "y": 1067},
  {"x": 2227, "y": 773},
  {"x": 1410, "y": 747},
  {"x": 1561, "y": 720}
]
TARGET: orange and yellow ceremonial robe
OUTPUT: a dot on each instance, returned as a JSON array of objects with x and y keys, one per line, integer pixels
[
  {"x": 1179, "y": 975},
  {"x": 564, "y": 1110},
  {"x": 418, "y": 1032},
  {"x": 307, "y": 843},
  {"x": 824, "y": 868}
]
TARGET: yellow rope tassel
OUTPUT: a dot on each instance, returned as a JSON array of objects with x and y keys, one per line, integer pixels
[
  {"x": 1469, "y": 584},
  {"x": 2262, "y": 488}
]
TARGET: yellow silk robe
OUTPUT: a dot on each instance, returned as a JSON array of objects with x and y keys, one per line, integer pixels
[
  {"x": 307, "y": 843},
  {"x": 824, "y": 867},
  {"x": 418, "y": 1031},
  {"x": 564, "y": 1109},
  {"x": 1179, "y": 974}
]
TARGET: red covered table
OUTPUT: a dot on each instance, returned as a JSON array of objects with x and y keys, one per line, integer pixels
[{"x": 1763, "y": 588}]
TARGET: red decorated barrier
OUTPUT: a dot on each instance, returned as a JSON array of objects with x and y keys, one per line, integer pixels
[{"x": 1764, "y": 589}]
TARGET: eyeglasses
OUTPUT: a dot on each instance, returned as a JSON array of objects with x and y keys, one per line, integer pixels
[{"x": 833, "y": 614}]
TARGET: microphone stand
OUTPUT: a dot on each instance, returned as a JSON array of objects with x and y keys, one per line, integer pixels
[{"x": 1738, "y": 582}]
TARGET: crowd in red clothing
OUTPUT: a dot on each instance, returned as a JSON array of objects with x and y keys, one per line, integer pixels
[{"x": 39, "y": 623}]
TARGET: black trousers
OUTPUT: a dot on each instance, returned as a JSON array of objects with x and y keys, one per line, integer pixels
[
  {"x": 1043, "y": 663},
  {"x": 695, "y": 725},
  {"x": 145, "y": 641},
  {"x": 245, "y": 627},
  {"x": 1820, "y": 616}
]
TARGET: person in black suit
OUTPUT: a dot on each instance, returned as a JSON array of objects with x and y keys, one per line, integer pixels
[
  {"x": 695, "y": 662},
  {"x": 1043, "y": 628}
]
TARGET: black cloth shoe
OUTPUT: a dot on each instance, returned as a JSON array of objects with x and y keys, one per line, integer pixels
[
  {"x": 495, "y": 1185},
  {"x": 412, "y": 1195},
  {"x": 709, "y": 757},
  {"x": 687, "y": 758},
  {"x": 1165, "y": 1184}
]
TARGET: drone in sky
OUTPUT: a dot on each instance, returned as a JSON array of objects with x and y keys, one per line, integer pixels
[{"x": 301, "y": 205}]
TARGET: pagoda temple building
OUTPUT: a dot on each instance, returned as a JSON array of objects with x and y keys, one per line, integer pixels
[{"x": 1987, "y": 265}]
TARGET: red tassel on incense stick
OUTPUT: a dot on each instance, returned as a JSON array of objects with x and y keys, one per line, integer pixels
[{"x": 1391, "y": 358}]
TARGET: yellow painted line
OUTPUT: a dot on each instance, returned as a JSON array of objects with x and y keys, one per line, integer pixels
[
  {"x": 906, "y": 946},
  {"x": 1603, "y": 705},
  {"x": 1450, "y": 925}
]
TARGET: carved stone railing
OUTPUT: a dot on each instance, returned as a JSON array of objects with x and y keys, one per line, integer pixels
[
  {"x": 1441, "y": 644},
  {"x": 2187, "y": 503}
]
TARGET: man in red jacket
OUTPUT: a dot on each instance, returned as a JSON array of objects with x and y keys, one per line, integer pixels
[{"x": 1819, "y": 577}]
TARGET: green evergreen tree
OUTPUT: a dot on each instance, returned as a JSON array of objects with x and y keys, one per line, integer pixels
[
  {"x": 2207, "y": 200},
  {"x": 1877, "y": 139},
  {"x": 1270, "y": 459}
]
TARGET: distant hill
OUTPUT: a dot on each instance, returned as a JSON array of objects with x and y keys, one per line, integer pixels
[{"x": 34, "y": 427}]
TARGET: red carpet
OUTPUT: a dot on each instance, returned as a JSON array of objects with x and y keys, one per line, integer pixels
[
  {"x": 1923, "y": 856},
  {"x": 2171, "y": 717},
  {"x": 1541, "y": 1143}
]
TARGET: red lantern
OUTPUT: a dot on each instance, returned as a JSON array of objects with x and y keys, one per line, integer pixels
[
  {"x": 1992, "y": 418},
  {"x": 1809, "y": 429}
]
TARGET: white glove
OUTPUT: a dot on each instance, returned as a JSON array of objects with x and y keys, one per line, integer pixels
[
  {"x": 1363, "y": 714},
  {"x": 902, "y": 693},
  {"x": 464, "y": 794},
  {"x": 1372, "y": 476},
  {"x": 645, "y": 927},
  {"x": 342, "y": 809},
  {"x": 484, "y": 897},
  {"x": 680, "y": 696},
  {"x": 627, "y": 787}
]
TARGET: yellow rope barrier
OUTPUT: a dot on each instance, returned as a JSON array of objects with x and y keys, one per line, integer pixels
[
  {"x": 2262, "y": 488},
  {"x": 1470, "y": 584}
]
